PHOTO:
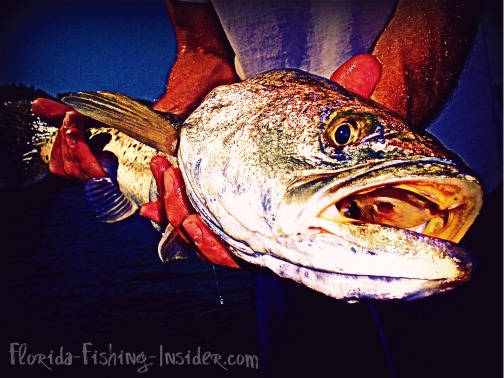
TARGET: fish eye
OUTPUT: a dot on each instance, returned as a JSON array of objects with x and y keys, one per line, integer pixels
[{"x": 342, "y": 132}]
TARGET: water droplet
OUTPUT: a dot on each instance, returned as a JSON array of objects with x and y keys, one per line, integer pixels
[{"x": 221, "y": 299}]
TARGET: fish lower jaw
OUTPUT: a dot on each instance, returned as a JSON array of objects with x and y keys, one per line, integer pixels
[
  {"x": 353, "y": 288},
  {"x": 383, "y": 251}
]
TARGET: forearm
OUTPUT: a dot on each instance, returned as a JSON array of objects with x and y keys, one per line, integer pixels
[
  {"x": 423, "y": 51},
  {"x": 204, "y": 57}
]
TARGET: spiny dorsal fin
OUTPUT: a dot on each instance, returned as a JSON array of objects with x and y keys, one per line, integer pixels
[{"x": 127, "y": 115}]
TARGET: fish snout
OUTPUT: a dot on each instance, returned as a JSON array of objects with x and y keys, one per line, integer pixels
[{"x": 393, "y": 228}]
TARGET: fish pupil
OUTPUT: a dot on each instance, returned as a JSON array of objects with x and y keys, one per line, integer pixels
[
  {"x": 342, "y": 134},
  {"x": 351, "y": 210}
]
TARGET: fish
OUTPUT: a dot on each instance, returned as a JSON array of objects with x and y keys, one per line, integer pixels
[
  {"x": 329, "y": 189},
  {"x": 319, "y": 185},
  {"x": 124, "y": 158},
  {"x": 27, "y": 140}
]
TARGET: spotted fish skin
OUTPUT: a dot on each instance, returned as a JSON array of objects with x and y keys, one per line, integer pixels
[{"x": 133, "y": 174}]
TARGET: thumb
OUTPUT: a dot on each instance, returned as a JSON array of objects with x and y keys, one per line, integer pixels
[{"x": 360, "y": 74}]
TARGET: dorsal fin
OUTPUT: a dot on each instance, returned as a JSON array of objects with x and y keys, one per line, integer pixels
[{"x": 129, "y": 116}]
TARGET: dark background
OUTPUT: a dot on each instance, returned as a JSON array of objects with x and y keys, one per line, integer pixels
[{"x": 68, "y": 279}]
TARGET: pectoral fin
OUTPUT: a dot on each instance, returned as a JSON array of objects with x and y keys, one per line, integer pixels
[
  {"x": 107, "y": 201},
  {"x": 171, "y": 246}
]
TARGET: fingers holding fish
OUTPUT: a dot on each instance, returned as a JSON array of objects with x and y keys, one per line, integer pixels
[
  {"x": 173, "y": 207},
  {"x": 176, "y": 203},
  {"x": 71, "y": 156},
  {"x": 155, "y": 210},
  {"x": 208, "y": 243},
  {"x": 158, "y": 165},
  {"x": 49, "y": 109}
]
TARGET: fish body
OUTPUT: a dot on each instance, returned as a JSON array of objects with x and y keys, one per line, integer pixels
[
  {"x": 129, "y": 183},
  {"x": 125, "y": 158},
  {"x": 321, "y": 186},
  {"x": 132, "y": 171}
]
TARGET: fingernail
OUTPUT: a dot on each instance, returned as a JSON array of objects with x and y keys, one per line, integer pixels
[
  {"x": 168, "y": 181},
  {"x": 194, "y": 231},
  {"x": 70, "y": 137},
  {"x": 159, "y": 163},
  {"x": 72, "y": 119}
]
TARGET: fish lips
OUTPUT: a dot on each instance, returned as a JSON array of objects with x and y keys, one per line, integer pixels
[{"x": 355, "y": 251}]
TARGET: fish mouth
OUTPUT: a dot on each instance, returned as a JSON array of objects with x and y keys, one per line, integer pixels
[
  {"x": 428, "y": 197},
  {"x": 395, "y": 220},
  {"x": 435, "y": 209}
]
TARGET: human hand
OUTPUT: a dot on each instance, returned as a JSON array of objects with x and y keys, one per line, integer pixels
[
  {"x": 70, "y": 156},
  {"x": 173, "y": 207}
]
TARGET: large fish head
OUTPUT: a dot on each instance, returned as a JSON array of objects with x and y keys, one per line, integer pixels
[{"x": 328, "y": 189}]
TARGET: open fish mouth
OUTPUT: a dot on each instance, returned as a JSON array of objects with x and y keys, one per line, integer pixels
[
  {"x": 429, "y": 197},
  {"x": 396, "y": 220},
  {"x": 441, "y": 210}
]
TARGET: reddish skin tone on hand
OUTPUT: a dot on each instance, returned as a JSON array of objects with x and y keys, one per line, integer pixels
[
  {"x": 360, "y": 74},
  {"x": 182, "y": 216},
  {"x": 204, "y": 61},
  {"x": 49, "y": 109},
  {"x": 70, "y": 156},
  {"x": 175, "y": 199},
  {"x": 78, "y": 161},
  {"x": 423, "y": 51},
  {"x": 156, "y": 210},
  {"x": 214, "y": 249}
]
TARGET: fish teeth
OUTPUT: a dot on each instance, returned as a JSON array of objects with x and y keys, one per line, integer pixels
[
  {"x": 320, "y": 223},
  {"x": 420, "y": 228}
]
